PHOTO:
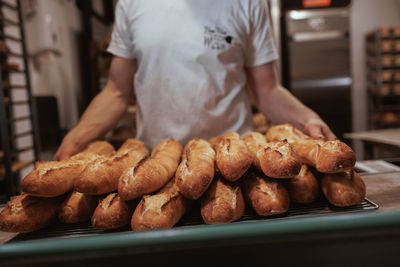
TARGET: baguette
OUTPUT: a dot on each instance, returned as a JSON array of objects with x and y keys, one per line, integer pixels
[
  {"x": 274, "y": 159},
  {"x": 232, "y": 158},
  {"x": 112, "y": 212},
  {"x": 304, "y": 187},
  {"x": 162, "y": 210},
  {"x": 222, "y": 203},
  {"x": 343, "y": 189},
  {"x": 78, "y": 207},
  {"x": 229, "y": 135},
  {"x": 266, "y": 196},
  {"x": 54, "y": 178},
  {"x": 326, "y": 156},
  {"x": 25, "y": 213},
  {"x": 196, "y": 171},
  {"x": 152, "y": 173},
  {"x": 102, "y": 176},
  {"x": 100, "y": 148}
]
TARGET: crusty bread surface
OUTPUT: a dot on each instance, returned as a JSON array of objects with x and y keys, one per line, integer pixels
[
  {"x": 274, "y": 159},
  {"x": 196, "y": 171},
  {"x": 152, "y": 173},
  {"x": 222, "y": 203},
  {"x": 25, "y": 213},
  {"x": 102, "y": 175},
  {"x": 161, "y": 210},
  {"x": 343, "y": 189},
  {"x": 77, "y": 207}
]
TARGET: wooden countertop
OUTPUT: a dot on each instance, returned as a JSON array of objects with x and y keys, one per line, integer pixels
[{"x": 382, "y": 188}]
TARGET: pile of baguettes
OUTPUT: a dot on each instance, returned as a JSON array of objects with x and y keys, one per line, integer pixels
[{"x": 115, "y": 188}]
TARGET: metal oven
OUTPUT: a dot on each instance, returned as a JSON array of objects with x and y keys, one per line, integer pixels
[{"x": 316, "y": 62}]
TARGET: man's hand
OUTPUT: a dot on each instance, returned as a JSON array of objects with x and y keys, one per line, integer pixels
[
  {"x": 280, "y": 106},
  {"x": 316, "y": 128},
  {"x": 67, "y": 149}
]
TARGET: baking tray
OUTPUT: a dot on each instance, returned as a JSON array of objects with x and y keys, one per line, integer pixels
[{"x": 193, "y": 218}]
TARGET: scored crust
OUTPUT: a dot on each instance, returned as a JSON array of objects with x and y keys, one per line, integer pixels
[
  {"x": 196, "y": 171},
  {"x": 326, "y": 156},
  {"x": 112, "y": 212},
  {"x": 304, "y": 187},
  {"x": 266, "y": 196},
  {"x": 152, "y": 173},
  {"x": 343, "y": 189},
  {"x": 162, "y": 210},
  {"x": 223, "y": 202},
  {"x": 233, "y": 158},
  {"x": 102, "y": 175},
  {"x": 77, "y": 207},
  {"x": 25, "y": 213},
  {"x": 274, "y": 159}
]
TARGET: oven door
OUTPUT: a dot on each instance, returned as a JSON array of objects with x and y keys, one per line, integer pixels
[{"x": 319, "y": 64}]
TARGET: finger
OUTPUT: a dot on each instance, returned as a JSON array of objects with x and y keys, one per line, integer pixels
[
  {"x": 56, "y": 156},
  {"x": 329, "y": 135},
  {"x": 315, "y": 131}
]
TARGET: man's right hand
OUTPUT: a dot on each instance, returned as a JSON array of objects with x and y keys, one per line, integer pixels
[{"x": 68, "y": 148}]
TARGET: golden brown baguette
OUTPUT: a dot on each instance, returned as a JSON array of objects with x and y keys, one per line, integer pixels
[
  {"x": 77, "y": 207},
  {"x": 112, "y": 212},
  {"x": 232, "y": 158},
  {"x": 25, "y": 213},
  {"x": 102, "y": 175},
  {"x": 266, "y": 196},
  {"x": 54, "y": 178},
  {"x": 223, "y": 202},
  {"x": 343, "y": 189},
  {"x": 100, "y": 148},
  {"x": 162, "y": 210},
  {"x": 196, "y": 171},
  {"x": 326, "y": 156},
  {"x": 230, "y": 135},
  {"x": 304, "y": 187},
  {"x": 152, "y": 173},
  {"x": 274, "y": 159}
]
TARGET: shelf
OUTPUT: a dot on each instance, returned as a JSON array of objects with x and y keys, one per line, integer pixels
[
  {"x": 19, "y": 119},
  {"x": 387, "y": 108},
  {"x": 14, "y": 87},
  {"x": 22, "y": 134},
  {"x": 8, "y": 22},
  {"x": 16, "y": 166},
  {"x": 9, "y": 37},
  {"x": 13, "y": 71},
  {"x": 8, "y": 5},
  {"x": 384, "y": 90},
  {"x": 383, "y": 67},
  {"x": 22, "y": 102}
]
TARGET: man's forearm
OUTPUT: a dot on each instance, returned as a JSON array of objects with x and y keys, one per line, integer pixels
[
  {"x": 100, "y": 117},
  {"x": 281, "y": 106}
]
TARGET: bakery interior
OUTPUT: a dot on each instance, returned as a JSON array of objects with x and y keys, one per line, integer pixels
[{"x": 339, "y": 57}]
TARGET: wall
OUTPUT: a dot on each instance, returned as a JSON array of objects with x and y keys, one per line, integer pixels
[
  {"x": 367, "y": 15},
  {"x": 52, "y": 29}
]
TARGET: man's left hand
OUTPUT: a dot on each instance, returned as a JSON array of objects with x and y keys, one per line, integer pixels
[{"x": 316, "y": 128}]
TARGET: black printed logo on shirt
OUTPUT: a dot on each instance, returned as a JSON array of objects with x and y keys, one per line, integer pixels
[{"x": 216, "y": 38}]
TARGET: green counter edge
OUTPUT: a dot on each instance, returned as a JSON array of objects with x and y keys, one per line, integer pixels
[{"x": 276, "y": 229}]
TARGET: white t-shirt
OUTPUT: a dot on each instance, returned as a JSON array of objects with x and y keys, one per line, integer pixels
[{"x": 191, "y": 57}]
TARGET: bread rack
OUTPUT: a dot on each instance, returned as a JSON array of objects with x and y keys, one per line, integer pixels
[{"x": 19, "y": 146}]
